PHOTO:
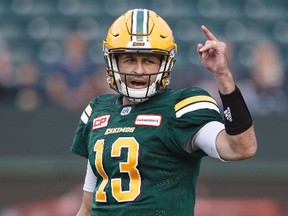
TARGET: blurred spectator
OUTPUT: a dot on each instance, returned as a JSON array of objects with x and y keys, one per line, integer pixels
[
  {"x": 265, "y": 91},
  {"x": 6, "y": 72},
  {"x": 70, "y": 81},
  {"x": 101, "y": 86},
  {"x": 27, "y": 92}
]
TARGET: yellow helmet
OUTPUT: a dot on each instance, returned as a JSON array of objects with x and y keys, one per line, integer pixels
[{"x": 139, "y": 31}]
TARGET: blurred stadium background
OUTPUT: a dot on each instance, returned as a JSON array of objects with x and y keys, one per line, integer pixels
[{"x": 38, "y": 174}]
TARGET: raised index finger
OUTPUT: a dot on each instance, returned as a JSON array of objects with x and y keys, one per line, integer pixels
[{"x": 208, "y": 34}]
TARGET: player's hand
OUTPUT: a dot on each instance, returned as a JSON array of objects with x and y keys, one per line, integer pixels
[{"x": 213, "y": 54}]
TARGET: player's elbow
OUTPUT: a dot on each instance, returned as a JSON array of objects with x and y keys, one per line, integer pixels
[
  {"x": 245, "y": 144},
  {"x": 237, "y": 147},
  {"x": 249, "y": 151}
]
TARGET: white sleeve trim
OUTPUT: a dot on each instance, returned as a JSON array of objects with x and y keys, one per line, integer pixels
[
  {"x": 205, "y": 139},
  {"x": 90, "y": 179}
]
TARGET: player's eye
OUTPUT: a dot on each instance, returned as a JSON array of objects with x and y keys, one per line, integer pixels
[
  {"x": 128, "y": 60},
  {"x": 152, "y": 61}
]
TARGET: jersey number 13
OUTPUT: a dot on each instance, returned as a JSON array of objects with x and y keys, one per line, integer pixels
[{"x": 129, "y": 167}]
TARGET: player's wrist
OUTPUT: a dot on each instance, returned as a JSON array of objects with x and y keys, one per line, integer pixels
[{"x": 225, "y": 83}]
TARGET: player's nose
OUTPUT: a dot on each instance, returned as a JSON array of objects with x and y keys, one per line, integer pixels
[{"x": 139, "y": 68}]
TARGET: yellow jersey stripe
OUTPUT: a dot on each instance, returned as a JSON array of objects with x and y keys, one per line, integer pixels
[
  {"x": 193, "y": 99},
  {"x": 197, "y": 106}
]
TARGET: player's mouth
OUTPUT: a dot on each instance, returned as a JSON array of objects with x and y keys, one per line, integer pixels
[{"x": 138, "y": 84}]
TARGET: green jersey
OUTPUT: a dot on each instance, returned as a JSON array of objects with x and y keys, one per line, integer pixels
[{"x": 139, "y": 152}]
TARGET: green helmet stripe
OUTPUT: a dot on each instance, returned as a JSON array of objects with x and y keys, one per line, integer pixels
[{"x": 140, "y": 23}]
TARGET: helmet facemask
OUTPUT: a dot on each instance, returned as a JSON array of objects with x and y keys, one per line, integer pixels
[{"x": 118, "y": 80}]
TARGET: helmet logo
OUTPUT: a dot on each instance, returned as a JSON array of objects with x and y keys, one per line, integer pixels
[{"x": 138, "y": 44}]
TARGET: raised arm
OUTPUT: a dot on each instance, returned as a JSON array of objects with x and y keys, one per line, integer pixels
[{"x": 237, "y": 141}]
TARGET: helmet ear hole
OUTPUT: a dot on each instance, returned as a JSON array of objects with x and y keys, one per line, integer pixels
[
  {"x": 110, "y": 77},
  {"x": 165, "y": 79}
]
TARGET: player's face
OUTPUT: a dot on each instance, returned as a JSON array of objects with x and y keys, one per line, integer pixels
[{"x": 138, "y": 64}]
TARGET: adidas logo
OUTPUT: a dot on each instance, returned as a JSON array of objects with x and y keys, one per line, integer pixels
[{"x": 228, "y": 115}]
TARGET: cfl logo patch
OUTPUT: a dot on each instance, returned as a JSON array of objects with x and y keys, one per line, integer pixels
[{"x": 100, "y": 122}]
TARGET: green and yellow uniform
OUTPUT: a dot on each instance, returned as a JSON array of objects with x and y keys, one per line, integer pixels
[{"x": 138, "y": 155}]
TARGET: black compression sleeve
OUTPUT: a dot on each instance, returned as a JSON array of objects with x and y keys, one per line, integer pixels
[{"x": 237, "y": 117}]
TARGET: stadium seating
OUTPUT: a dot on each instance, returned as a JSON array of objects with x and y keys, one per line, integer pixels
[{"x": 34, "y": 29}]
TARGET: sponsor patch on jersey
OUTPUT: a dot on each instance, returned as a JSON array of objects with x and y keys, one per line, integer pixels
[
  {"x": 148, "y": 120},
  {"x": 100, "y": 122}
]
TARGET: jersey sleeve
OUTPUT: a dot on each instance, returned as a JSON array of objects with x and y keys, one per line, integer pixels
[
  {"x": 193, "y": 109},
  {"x": 80, "y": 144}
]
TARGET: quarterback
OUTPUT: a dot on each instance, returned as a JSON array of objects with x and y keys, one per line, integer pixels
[{"x": 144, "y": 145}]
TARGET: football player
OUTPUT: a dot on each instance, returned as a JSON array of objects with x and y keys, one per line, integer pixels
[{"x": 144, "y": 145}]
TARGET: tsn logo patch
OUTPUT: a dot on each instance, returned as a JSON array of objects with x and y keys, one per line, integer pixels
[{"x": 100, "y": 122}]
